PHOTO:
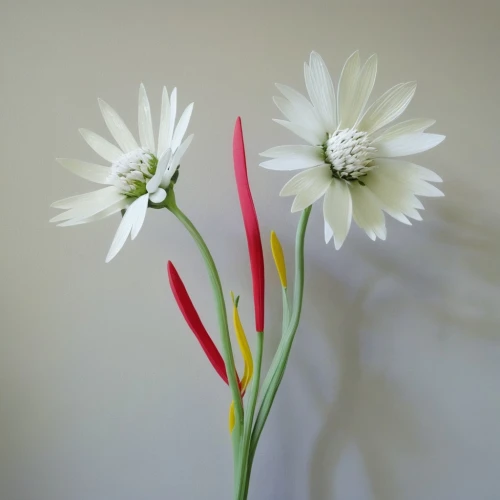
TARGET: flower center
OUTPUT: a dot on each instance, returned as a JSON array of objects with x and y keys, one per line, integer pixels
[
  {"x": 131, "y": 172},
  {"x": 349, "y": 154}
]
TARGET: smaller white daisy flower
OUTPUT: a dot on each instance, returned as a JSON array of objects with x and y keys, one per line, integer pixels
[
  {"x": 350, "y": 159},
  {"x": 139, "y": 175}
]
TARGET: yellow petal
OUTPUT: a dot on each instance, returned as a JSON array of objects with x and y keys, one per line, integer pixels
[
  {"x": 244, "y": 347},
  {"x": 279, "y": 258},
  {"x": 247, "y": 358},
  {"x": 232, "y": 419}
]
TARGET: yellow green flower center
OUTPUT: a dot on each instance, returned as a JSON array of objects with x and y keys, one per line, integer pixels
[{"x": 131, "y": 172}]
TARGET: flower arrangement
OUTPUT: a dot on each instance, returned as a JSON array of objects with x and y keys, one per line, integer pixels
[{"x": 351, "y": 161}]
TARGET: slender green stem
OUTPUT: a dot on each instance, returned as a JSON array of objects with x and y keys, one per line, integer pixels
[
  {"x": 221, "y": 308},
  {"x": 244, "y": 473},
  {"x": 235, "y": 440},
  {"x": 286, "y": 311},
  {"x": 280, "y": 360},
  {"x": 281, "y": 346}
]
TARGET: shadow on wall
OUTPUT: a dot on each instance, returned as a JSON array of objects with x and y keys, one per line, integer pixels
[
  {"x": 412, "y": 342},
  {"x": 368, "y": 411}
]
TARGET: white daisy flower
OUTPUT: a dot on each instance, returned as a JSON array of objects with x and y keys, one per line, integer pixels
[
  {"x": 139, "y": 175},
  {"x": 350, "y": 159}
]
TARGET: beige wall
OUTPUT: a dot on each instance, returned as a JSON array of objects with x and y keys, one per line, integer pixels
[{"x": 392, "y": 391}]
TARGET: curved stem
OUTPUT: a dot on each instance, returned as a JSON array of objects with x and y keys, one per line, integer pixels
[
  {"x": 281, "y": 346},
  {"x": 244, "y": 468},
  {"x": 221, "y": 306},
  {"x": 280, "y": 360}
]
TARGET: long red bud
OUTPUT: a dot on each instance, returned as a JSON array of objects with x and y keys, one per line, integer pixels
[{"x": 251, "y": 225}]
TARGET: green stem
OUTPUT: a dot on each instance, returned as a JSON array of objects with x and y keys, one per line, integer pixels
[
  {"x": 244, "y": 472},
  {"x": 278, "y": 365},
  {"x": 235, "y": 439},
  {"x": 221, "y": 308},
  {"x": 281, "y": 346},
  {"x": 286, "y": 311}
]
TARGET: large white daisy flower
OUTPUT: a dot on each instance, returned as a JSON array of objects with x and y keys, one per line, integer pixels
[
  {"x": 139, "y": 175},
  {"x": 350, "y": 159}
]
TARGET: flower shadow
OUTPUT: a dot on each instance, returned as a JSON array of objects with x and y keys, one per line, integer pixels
[
  {"x": 367, "y": 410},
  {"x": 388, "y": 331},
  {"x": 447, "y": 286}
]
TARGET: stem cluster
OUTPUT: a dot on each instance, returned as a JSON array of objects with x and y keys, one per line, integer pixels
[{"x": 250, "y": 420}]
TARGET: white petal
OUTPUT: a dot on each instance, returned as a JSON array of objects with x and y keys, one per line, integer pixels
[
  {"x": 101, "y": 146},
  {"x": 398, "y": 189},
  {"x": 347, "y": 88},
  {"x": 320, "y": 88},
  {"x": 337, "y": 210},
  {"x": 163, "y": 134},
  {"x": 362, "y": 92},
  {"x": 371, "y": 234},
  {"x": 399, "y": 217},
  {"x": 172, "y": 117},
  {"x": 300, "y": 111},
  {"x": 307, "y": 198},
  {"x": 419, "y": 188},
  {"x": 306, "y": 179},
  {"x": 89, "y": 171},
  {"x": 328, "y": 233},
  {"x": 426, "y": 189},
  {"x": 154, "y": 183},
  {"x": 182, "y": 126},
  {"x": 366, "y": 211},
  {"x": 309, "y": 187},
  {"x": 120, "y": 205},
  {"x": 408, "y": 144},
  {"x": 387, "y": 107},
  {"x": 93, "y": 196},
  {"x": 307, "y": 119},
  {"x": 142, "y": 207},
  {"x": 290, "y": 112},
  {"x": 128, "y": 220},
  {"x": 412, "y": 213},
  {"x": 396, "y": 198},
  {"x": 158, "y": 196},
  {"x": 145, "y": 122},
  {"x": 402, "y": 128},
  {"x": 406, "y": 172},
  {"x": 297, "y": 99},
  {"x": 291, "y": 163},
  {"x": 177, "y": 157},
  {"x": 91, "y": 207},
  {"x": 303, "y": 132},
  {"x": 175, "y": 162},
  {"x": 117, "y": 127},
  {"x": 300, "y": 151},
  {"x": 418, "y": 204}
]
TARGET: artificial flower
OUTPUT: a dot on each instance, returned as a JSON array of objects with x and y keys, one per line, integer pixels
[
  {"x": 350, "y": 160},
  {"x": 251, "y": 224},
  {"x": 138, "y": 176}
]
